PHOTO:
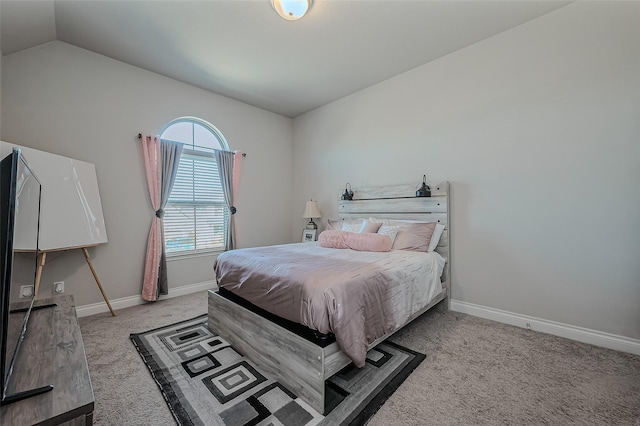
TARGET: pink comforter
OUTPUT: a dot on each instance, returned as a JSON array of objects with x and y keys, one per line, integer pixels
[{"x": 348, "y": 298}]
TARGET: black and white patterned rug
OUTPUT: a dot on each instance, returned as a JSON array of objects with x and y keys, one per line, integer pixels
[{"x": 206, "y": 382}]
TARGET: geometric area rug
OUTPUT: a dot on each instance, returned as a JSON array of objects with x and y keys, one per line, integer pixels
[{"x": 206, "y": 382}]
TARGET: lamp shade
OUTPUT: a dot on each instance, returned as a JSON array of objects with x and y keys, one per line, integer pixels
[{"x": 311, "y": 210}]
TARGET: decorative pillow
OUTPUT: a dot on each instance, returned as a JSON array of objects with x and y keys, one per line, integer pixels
[
  {"x": 352, "y": 225},
  {"x": 369, "y": 227},
  {"x": 332, "y": 239},
  {"x": 333, "y": 224},
  {"x": 435, "y": 238},
  {"x": 389, "y": 230},
  {"x": 337, "y": 224},
  {"x": 354, "y": 241},
  {"x": 414, "y": 237}
]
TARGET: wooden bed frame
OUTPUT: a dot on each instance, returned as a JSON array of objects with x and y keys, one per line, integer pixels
[{"x": 297, "y": 363}]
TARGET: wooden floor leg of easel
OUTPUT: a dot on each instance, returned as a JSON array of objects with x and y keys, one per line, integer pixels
[
  {"x": 86, "y": 256},
  {"x": 43, "y": 259}
]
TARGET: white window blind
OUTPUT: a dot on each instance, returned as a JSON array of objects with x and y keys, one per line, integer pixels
[{"x": 195, "y": 217}]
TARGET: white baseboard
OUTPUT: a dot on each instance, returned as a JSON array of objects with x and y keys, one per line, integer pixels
[
  {"x": 585, "y": 335},
  {"x": 125, "y": 302},
  {"x": 580, "y": 334}
]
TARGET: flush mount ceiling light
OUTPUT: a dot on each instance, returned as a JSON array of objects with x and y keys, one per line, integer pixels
[{"x": 291, "y": 10}]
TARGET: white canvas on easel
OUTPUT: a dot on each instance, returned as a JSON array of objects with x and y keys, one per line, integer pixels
[{"x": 70, "y": 208}]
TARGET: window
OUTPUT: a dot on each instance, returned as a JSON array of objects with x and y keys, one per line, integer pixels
[{"x": 196, "y": 216}]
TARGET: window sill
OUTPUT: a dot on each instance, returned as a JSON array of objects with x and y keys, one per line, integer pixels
[{"x": 193, "y": 255}]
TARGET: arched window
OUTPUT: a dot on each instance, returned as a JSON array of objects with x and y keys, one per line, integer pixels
[{"x": 196, "y": 217}]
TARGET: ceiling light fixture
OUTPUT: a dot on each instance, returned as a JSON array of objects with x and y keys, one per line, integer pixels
[{"x": 291, "y": 10}]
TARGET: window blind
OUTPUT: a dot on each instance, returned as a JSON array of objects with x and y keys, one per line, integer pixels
[{"x": 195, "y": 216}]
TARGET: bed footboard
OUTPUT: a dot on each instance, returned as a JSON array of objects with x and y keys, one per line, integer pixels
[{"x": 297, "y": 363}]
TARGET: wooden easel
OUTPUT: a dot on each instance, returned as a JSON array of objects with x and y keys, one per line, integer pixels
[{"x": 43, "y": 258}]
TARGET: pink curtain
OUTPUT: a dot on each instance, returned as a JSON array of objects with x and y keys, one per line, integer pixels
[{"x": 153, "y": 168}]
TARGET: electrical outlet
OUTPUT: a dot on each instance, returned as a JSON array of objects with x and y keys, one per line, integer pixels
[
  {"x": 26, "y": 291},
  {"x": 58, "y": 287}
]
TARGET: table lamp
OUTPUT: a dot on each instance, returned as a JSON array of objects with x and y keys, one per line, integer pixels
[{"x": 311, "y": 211}]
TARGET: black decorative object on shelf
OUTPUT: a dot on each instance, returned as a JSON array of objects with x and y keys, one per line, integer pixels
[
  {"x": 348, "y": 193},
  {"x": 424, "y": 190}
]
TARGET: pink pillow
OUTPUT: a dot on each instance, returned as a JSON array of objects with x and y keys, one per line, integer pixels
[
  {"x": 351, "y": 225},
  {"x": 414, "y": 237},
  {"x": 334, "y": 224},
  {"x": 332, "y": 239},
  {"x": 354, "y": 241}
]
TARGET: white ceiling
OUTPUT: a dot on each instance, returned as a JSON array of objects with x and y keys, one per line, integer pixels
[{"x": 242, "y": 49}]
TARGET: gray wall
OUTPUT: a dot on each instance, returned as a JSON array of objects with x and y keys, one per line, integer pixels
[
  {"x": 72, "y": 102},
  {"x": 538, "y": 130}
]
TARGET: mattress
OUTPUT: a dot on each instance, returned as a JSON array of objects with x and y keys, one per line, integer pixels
[{"x": 358, "y": 296}]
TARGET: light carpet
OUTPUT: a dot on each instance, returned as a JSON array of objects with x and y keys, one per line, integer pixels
[{"x": 477, "y": 372}]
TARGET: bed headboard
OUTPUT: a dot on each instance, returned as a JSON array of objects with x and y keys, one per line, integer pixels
[{"x": 400, "y": 202}]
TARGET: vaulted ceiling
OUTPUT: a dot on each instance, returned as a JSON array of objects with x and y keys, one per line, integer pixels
[{"x": 242, "y": 49}]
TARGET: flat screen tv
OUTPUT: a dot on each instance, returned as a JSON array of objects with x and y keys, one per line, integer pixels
[{"x": 20, "y": 193}]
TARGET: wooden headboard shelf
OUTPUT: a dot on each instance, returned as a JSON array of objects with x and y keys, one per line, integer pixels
[{"x": 399, "y": 202}]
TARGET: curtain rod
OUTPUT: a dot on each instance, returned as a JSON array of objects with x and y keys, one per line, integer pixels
[{"x": 244, "y": 154}]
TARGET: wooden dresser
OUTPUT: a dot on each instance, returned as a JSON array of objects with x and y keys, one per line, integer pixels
[{"x": 52, "y": 354}]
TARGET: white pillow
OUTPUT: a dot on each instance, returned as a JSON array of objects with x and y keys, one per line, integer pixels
[
  {"x": 435, "y": 238},
  {"x": 369, "y": 227},
  {"x": 352, "y": 225},
  {"x": 390, "y": 231}
]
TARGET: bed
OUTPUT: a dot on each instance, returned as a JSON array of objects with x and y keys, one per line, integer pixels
[{"x": 371, "y": 295}]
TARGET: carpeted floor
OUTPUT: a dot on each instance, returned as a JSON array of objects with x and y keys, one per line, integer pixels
[
  {"x": 205, "y": 381},
  {"x": 477, "y": 372}
]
